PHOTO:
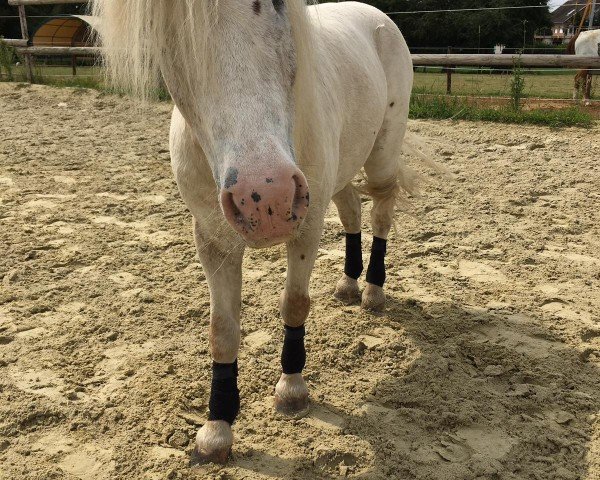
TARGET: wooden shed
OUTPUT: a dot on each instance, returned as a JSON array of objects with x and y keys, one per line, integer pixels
[
  {"x": 68, "y": 31},
  {"x": 71, "y": 31}
]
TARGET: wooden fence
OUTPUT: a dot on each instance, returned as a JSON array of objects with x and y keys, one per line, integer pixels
[
  {"x": 22, "y": 45},
  {"x": 449, "y": 60},
  {"x": 43, "y": 2},
  {"x": 493, "y": 60}
]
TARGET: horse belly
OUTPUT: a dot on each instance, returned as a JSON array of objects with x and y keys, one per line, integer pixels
[
  {"x": 364, "y": 111},
  {"x": 371, "y": 65}
]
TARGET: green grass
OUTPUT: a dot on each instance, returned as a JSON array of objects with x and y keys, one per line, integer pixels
[
  {"x": 62, "y": 76},
  {"x": 435, "y": 106},
  {"x": 455, "y": 108},
  {"x": 487, "y": 84}
]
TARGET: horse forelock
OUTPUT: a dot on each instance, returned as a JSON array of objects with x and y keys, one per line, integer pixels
[{"x": 143, "y": 38}]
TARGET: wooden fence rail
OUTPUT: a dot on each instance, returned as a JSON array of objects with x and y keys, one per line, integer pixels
[
  {"x": 43, "y": 2},
  {"x": 15, "y": 42},
  {"x": 59, "y": 51},
  {"x": 493, "y": 60},
  {"x": 419, "y": 60}
]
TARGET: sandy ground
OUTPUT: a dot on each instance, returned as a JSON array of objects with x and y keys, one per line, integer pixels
[{"x": 485, "y": 364}]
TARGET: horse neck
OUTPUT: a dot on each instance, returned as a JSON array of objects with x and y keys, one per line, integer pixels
[{"x": 310, "y": 140}]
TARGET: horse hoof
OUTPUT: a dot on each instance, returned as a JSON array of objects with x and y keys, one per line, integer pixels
[
  {"x": 295, "y": 408},
  {"x": 373, "y": 298},
  {"x": 291, "y": 396},
  {"x": 213, "y": 443},
  {"x": 347, "y": 291},
  {"x": 202, "y": 458}
]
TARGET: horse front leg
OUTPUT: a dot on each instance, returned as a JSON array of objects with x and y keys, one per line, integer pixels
[
  {"x": 221, "y": 254},
  {"x": 291, "y": 392}
]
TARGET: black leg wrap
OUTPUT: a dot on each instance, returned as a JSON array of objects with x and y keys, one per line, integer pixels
[
  {"x": 293, "y": 355},
  {"x": 224, "y": 401},
  {"x": 354, "y": 264},
  {"x": 376, "y": 270}
]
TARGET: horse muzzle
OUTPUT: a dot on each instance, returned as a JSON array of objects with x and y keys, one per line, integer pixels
[{"x": 265, "y": 207}]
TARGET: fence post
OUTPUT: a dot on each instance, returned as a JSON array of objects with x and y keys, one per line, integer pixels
[
  {"x": 449, "y": 76},
  {"x": 592, "y": 15},
  {"x": 25, "y": 34}
]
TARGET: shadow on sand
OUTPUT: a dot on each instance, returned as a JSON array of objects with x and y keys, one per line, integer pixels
[{"x": 489, "y": 395}]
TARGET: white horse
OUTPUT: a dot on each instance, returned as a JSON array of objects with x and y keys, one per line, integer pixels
[
  {"x": 585, "y": 44},
  {"x": 273, "y": 99}
]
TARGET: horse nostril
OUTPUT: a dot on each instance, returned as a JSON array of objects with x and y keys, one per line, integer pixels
[{"x": 229, "y": 205}]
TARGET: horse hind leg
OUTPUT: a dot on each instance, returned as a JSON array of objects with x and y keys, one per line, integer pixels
[
  {"x": 580, "y": 79},
  {"x": 587, "y": 96},
  {"x": 348, "y": 205},
  {"x": 384, "y": 180}
]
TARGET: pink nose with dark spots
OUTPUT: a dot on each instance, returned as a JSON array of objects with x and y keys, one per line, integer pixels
[{"x": 265, "y": 208}]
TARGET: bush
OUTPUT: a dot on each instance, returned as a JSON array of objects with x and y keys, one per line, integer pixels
[
  {"x": 7, "y": 59},
  {"x": 517, "y": 85}
]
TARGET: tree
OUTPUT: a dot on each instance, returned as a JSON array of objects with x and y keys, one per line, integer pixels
[{"x": 461, "y": 29}]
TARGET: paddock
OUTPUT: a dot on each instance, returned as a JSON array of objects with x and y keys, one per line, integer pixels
[{"x": 484, "y": 364}]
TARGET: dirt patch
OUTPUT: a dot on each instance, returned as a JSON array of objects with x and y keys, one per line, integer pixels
[{"x": 485, "y": 364}]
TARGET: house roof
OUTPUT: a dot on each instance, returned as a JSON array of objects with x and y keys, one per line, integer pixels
[{"x": 567, "y": 11}]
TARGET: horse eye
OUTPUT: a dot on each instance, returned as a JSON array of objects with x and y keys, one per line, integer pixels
[{"x": 278, "y": 4}]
